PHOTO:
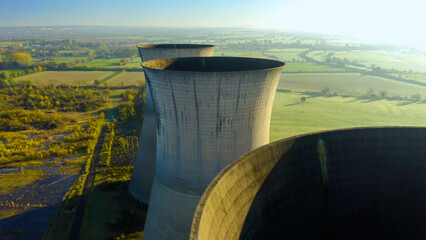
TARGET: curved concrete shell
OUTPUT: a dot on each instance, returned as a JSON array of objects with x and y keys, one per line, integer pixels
[
  {"x": 366, "y": 183},
  {"x": 143, "y": 173},
  {"x": 209, "y": 112}
]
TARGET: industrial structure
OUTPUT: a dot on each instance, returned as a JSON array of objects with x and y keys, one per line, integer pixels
[
  {"x": 209, "y": 111},
  {"x": 362, "y": 183},
  {"x": 143, "y": 173}
]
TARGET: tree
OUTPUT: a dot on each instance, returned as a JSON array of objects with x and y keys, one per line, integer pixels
[
  {"x": 383, "y": 94},
  {"x": 3, "y": 82},
  {"x": 22, "y": 59},
  {"x": 4, "y": 75},
  {"x": 123, "y": 61},
  {"x": 11, "y": 82},
  {"x": 303, "y": 99},
  {"x": 91, "y": 54},
  {"x": 416, "y": 97},
  {"x": 370, "y": 93},
  {"x": 325, "y": 91}
]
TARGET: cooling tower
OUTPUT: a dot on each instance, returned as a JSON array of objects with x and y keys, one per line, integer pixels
[
  {"x": 366, "y": 183},
  {"x": 209, "y": 111},
  {"x": 143, "y": 173}
]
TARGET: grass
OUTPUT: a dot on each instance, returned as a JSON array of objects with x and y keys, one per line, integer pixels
[
  {"x": 13, "y": 71},
  {"x": 7, "y": 44},
  {"x": 386, "y": 60},
  {"x": 228, "y": 53},
  {"x": 291, "y": 117},
  {"x": 318, "y": 55},
  {"x": 287, "y": 55},
  {"x": 15, "y": 180},
  {"x": 109, "y": 214},
  {"x": 69, "y": 78},
  {"x": 111, "y": 63},
  {"x": 127, "y": 79},
  {"x": 253, "y": 54},
  {"x": 348, "y": 83},
  {"x": 310, "y": 67},
  {"x": 414, "y": 76},
  {"x": 67, "y": 59}
]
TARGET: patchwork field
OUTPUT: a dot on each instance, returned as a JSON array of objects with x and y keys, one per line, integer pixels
[
  {"x": 416, "y": 77},
  {"x": 348, "y": 83},
  {"x": 7, "y": 44},
  {"x": 386, "y": 60},
  {"x": 128, "y": 79},
  {"x": 287, "y": 55},
  {"x": 310, "y": 67},
  {"x": 66, "y": 77},
  {"x": 291, "y": 117},
  {"x": 111, "y": 63},
  {"x": 68, "y": 59},
  {"x": 10, "y": 71}
]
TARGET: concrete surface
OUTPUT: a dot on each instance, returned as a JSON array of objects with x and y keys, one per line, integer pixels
[
  {"x": 365, "y": 183},
  {"x": 143, "y": 173},
  {"x": 209, "y": 112}
]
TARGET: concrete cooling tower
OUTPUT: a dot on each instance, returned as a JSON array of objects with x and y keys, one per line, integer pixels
[
  {"x": 209, "y": 111},
  {"x": 366, "y": 183},
  {"x": 143, "y": 173}
]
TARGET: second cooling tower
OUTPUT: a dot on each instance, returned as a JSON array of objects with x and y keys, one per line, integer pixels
[
  {"x": 143, "y": 173},
  {"x": 209, "y": 112}
]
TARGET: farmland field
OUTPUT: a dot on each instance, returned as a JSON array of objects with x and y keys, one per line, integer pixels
[
  {"x": 348, "y": 83},
  {"x": 127, "y": 79},
  {"x": 228, "y": 53},
  {"x": 67, "y": 59},
  {"x": 319, "y": 55},
  {"x": 291, "y": 117},
  {"x": 253, "y": 54},
  {"x": 13, "y": 71},
  {"x": 7, "y": 44},
  {"x": 310, "y": 67},
  {"x": 414, "y": 76},
  {"x": 386, "y": 60},
  {"x": 111, "y": 63},
  {"x": 66, "y": 77},
  {"x": 287, "y": 55}
]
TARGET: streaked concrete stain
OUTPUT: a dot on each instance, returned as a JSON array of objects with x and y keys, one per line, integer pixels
[
  {"x": 143, "y": 173},
  {"x": 201, "y": 130}
]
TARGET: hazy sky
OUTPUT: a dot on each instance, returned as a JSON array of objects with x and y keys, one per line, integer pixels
[{"x": 390, "y": 21}]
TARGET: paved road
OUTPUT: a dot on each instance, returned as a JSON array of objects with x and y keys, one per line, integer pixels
[{"x": 75, "y": 231}]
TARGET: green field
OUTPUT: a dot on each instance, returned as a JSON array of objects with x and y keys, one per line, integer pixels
[
  {"x": 7, "y": 44},
  {"x": 127, "y": 79},
  {"x": 287, "y": 55},
  {"x": 291, "y": 117},
  {"x": 253, "y": 54},
  {"x": 111, "y": 63},
  {"x": 310, "y": 67},
  {"x": 348, "y": 83},
  {"x": 67, "y": 59},
  {"x": 416, "y": 77},
  {"x": 13, "y": 71},
  {"x": 66, "y": 77},
  {"x": 228, "y": 53},
  {"x": 318, "y": 55},
  {"x": 386, "y": 60}
]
